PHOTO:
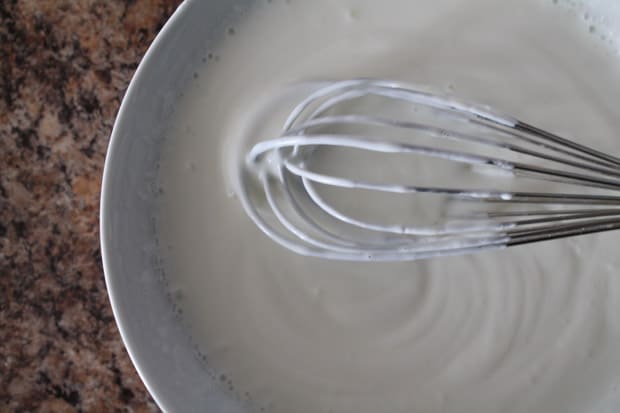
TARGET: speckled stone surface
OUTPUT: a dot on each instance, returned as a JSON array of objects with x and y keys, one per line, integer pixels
[{"x": 64, "y": 66}]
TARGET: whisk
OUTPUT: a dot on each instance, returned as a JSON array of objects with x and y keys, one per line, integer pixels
[{"x": 288, "y": 186}]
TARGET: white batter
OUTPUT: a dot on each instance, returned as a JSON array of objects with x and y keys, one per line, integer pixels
[{"x": 531, "y": 329}]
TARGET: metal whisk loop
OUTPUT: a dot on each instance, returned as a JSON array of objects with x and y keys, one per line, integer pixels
[{"x": 280, "y": 185}]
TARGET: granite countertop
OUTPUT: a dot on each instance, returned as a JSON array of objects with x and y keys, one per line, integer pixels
[{"x": 64, "y": 66}]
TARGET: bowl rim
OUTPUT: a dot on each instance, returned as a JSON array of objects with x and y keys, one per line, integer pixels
[{"x": 106, "y": 190}]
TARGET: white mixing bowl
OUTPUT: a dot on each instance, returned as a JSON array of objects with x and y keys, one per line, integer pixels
[{"x": 157, "y": 343}]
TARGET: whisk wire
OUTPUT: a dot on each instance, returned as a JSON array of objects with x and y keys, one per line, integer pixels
[{"x": 296, "y": 215}]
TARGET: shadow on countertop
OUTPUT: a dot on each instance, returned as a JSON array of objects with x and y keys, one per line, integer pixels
[{"x": 64, "y": 66}]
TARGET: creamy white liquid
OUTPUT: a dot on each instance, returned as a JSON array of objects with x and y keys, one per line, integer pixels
[{"x": 530, "y": 329}]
